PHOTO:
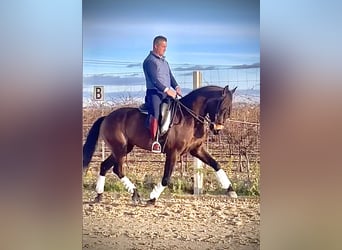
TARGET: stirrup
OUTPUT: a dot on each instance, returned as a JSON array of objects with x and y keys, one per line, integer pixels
[{"x": 156, "y": 148}]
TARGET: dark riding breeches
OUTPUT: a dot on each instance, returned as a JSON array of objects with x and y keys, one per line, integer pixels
[{"x": 153, "y": 100}]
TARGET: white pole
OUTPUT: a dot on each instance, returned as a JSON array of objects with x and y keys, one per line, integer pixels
[{"x": 198, "y": 164}]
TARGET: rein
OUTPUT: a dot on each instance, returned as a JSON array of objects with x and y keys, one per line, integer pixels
[{"x": 199, "y": 118}]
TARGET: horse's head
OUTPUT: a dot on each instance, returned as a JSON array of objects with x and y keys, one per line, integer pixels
[{"x": 219, "y": 109}]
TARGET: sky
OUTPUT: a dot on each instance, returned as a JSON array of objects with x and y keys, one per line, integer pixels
[{"x": 218, "y": 37}]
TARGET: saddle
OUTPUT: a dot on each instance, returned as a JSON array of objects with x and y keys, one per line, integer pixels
[{"x": 166, "y": 113}]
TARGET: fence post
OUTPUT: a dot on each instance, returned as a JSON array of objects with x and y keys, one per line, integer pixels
[{"x": 198, "y": 164}]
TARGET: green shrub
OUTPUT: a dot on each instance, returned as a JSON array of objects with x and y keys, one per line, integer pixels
[{"x": 181, "y": 185}]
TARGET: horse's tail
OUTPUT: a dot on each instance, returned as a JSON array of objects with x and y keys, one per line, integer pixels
[{"x": 91, "y": 141}]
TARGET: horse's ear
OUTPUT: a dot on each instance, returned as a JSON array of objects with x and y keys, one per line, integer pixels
[
  {"x": 225, "y": 90},
  {"x": 233, "y": 90}
]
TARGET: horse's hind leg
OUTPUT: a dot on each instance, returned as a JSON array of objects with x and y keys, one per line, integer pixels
[
  {"x": 170, "y": 162},
  {"x": 124, "y": 179},
  {"x": 105, "y": 166}
]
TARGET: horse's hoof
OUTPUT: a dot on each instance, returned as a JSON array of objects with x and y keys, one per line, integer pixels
[
  {"x": 151, "y": 201},
  {"x": 98, "y": 198},
  {"x": 136, "y": 197},
  {"x": 232, "y": 194}
]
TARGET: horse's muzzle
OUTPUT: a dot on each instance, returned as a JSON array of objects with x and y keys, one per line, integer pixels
[{"x": 215, "y": 128}]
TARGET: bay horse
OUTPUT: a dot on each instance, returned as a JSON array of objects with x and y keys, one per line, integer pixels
[{"x": 125, "y": 128}]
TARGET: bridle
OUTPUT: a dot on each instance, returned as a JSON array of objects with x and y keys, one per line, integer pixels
[{"x": 219, "y": 103}]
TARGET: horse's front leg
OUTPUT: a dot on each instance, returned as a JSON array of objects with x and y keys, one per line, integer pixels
[
  {"x": 168, "y": 168},
  {"x": 222, "y": 177}
]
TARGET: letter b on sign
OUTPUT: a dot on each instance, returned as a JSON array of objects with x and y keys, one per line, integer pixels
[{"x": 98, "y": 94}]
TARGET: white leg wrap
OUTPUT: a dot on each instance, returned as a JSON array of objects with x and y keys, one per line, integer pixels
[
  {"x": 100, "y": 184},
  {"x": 128, "y": 184},
  {"x": 223, "y": 178},
  {"x": 157, "y": 190}
]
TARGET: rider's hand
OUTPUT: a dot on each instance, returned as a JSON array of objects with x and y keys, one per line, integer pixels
[
  {"x": 178, "y": 91},
  {"x": 171, "y": 93}
]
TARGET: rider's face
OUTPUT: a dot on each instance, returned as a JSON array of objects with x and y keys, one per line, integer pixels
[{"x": 160, "y": 48}]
